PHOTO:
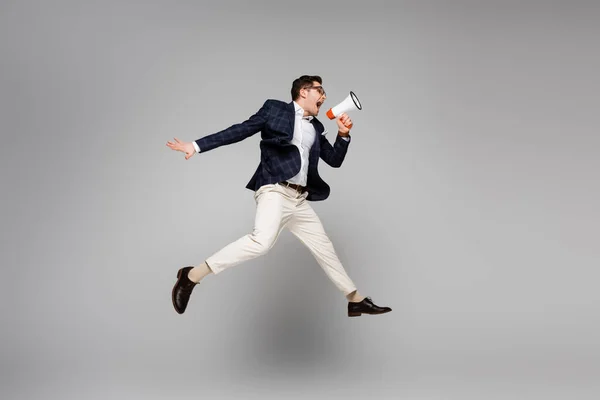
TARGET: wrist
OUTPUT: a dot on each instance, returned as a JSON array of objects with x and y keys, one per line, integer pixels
[{"x": 343, "y": 134}]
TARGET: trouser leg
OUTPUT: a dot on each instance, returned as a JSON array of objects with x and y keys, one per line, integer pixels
[
  {"x": 273, "y": 212},
  {"x": 306, "y": 226}
]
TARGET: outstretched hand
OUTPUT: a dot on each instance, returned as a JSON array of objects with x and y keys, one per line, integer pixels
[{"x": 184, "y": 147}]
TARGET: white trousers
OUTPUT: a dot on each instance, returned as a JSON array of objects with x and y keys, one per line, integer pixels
[{"x": 277, "y": 207}]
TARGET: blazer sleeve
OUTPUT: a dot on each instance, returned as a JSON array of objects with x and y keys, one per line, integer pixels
[
  {"x": 334, "y": 155},
  {"x": 235, "y": 133}
]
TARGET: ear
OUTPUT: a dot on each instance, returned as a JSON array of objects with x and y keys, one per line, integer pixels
[{"x": 303, "y": 93}]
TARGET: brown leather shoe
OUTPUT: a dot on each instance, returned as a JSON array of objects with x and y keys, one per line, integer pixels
[
  {"x": 182, "y": 290},
  {"x": 365, "y": 307}
]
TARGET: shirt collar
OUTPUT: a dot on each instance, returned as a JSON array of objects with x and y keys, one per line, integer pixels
[{"x": 300, "y": 112}]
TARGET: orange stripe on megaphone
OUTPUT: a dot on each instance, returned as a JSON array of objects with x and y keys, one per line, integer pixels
[{"x": 330, "y": 114}]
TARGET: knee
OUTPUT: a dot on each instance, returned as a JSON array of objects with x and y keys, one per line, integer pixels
[{"x": 263, "y": 242}]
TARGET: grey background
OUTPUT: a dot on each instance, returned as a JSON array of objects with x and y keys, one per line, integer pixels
[{"x": 468, "y": 201}]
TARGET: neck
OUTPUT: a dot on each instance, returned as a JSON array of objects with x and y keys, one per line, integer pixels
[{"x": 301, "y": 104}]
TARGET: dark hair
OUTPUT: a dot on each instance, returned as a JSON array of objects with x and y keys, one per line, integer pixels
[{"x": 303, "y": 82}]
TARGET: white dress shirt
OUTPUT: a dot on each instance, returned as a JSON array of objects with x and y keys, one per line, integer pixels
[{"x": 304, "y": 137}]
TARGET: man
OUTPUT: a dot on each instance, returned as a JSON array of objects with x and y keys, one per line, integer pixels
[{"x": 287, "y": 178}]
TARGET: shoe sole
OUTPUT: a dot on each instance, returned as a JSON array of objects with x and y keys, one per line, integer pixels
[{"x": 358, "y": 314}]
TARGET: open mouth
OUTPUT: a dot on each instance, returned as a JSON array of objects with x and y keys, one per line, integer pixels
[{"x": 319, "y": 104}]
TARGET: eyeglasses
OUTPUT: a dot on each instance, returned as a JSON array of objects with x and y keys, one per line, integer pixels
[{"x": 319, "y": 89}]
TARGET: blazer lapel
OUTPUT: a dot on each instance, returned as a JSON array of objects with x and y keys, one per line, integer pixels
[
  {"x": 319, "y": 128},
  {"x": 291, "y": 115}
]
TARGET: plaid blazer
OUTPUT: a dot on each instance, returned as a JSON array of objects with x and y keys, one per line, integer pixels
[{"x": 280, "y": 159}]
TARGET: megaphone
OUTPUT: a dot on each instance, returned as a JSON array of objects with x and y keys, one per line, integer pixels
[{"x": 350, "y": 103}]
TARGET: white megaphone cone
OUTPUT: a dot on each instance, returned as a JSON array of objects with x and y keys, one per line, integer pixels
[{"x": 350, "y": 103}]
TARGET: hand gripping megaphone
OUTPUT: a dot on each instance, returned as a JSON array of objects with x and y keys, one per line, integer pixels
[{"x": 350, "y": 103}]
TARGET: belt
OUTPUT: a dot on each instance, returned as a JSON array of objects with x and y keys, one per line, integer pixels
[{"x": 299, "y": 188}]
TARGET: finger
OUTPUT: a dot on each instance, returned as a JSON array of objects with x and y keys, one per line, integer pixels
[{"x": 177, "y": 140}]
